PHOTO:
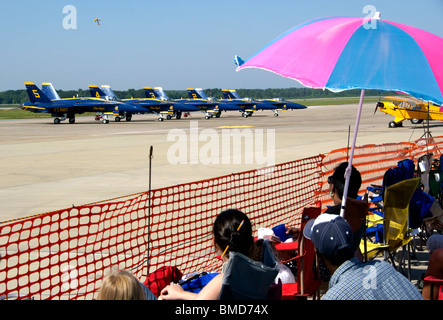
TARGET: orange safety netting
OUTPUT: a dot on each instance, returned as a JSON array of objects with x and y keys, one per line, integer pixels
[{"x": 65, "y": 254}]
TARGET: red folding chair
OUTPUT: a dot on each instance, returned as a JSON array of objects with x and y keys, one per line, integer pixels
[
  {"x": 307, "y": 279},
  {"x": 437, "y": 283}
]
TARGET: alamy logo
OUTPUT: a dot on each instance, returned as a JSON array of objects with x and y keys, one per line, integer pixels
[
  {"x": 370, "y": 281},
  {"x": 226, "y": 146},
  {"x": 70, "y": 20},
  {"x": 372, "y": 17},
  {"x": 69, "y": 277}
]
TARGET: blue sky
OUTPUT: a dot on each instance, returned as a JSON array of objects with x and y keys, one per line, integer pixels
[{"x": 175, "y": 44}]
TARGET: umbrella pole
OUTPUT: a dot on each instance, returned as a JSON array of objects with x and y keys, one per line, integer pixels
[{"x": 351, "y": 157}]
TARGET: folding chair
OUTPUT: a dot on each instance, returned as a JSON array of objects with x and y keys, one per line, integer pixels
[
  {"x": 396, "y": 233},
  {"x": 246, "y": 279},
  {"x": 307, "y": 279},
  {"x": 405, "y": 170},
  {"x": 420, "y": 210},
  {"x": 435, "y": 282},
  {"x": 420, "y": 202}
]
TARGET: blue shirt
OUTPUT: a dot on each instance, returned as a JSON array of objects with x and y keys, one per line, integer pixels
[{"x": 374, "y": 280}]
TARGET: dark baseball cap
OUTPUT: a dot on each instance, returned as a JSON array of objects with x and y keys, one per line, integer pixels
[{"x": 331, "y": 235}]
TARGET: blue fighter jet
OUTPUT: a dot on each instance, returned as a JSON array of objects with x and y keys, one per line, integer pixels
[
  {"x": 209, "y": 108},
  {"x": 63, "y": 109},
  {"x": 245, "y": 107},
  {"x": 275, "y": 105},
  {"x": 199, "y": 94},
  {"x": 161, "y": 107}
]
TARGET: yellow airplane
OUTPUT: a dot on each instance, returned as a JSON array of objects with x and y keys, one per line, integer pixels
[{"x": 408, "y": 108}]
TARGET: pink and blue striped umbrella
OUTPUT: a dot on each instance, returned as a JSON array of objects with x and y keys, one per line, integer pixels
[
  {"x": 353, "y": 53},
  {"x": 341, "y": 53}
]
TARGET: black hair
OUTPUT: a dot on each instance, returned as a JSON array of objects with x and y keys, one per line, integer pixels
[
  {"x": 227, "y": 233},
  {"x": 341, "y": 255},
  {"x": 338, "y": 179}
]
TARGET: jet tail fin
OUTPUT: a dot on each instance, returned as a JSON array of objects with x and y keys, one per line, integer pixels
[
  {"x": 49, "y": 91},
  {"x": 150, "y": 93},
  {"x": 96, "y": 92},
  {"x": 230, "y": 94},
  {"x": 197, "y": 93},
  {"x": 155, "y": 93},
  {"x": 35, "y": 94}
]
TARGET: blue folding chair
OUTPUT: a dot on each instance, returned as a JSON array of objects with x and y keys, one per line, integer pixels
[
  {"x": 246, "y": 279},
  {"x": 419, "y": 206},
  {"x": 405, "y": 170}
]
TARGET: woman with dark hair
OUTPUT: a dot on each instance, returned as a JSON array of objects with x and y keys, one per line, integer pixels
[{"x": 232, "y": 232}]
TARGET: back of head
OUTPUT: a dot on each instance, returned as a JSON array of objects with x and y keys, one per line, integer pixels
[
  {"x": 332, "y": 237},
  {"x": 121, "y": 286},
  {"x": 227, "y": 232},
  {"x": 338, "y": 178}
]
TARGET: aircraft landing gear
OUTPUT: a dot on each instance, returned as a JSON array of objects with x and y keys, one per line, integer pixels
[
  {"x": 393, "y": 124},
  {"x": 246, "y": 114},
  {"x": 105, "y": 119},
  {"x": 160, "y": 119},
  {"x": 129, "y": 117},
  {"x": 275, "y": 113},
  {"x": 416, "y": 121},
  {"x": 63, "y": 118},
  {"x": 117, "y": 119},
  {"x": 208, "y": 115}
]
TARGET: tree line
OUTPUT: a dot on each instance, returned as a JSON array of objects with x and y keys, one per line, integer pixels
[{"x": 20, "y": 96}]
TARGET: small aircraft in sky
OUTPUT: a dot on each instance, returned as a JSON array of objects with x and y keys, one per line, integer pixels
[
  {"x": 160, "y": 107},
  {"x": 98, "y": 21},
  {"x": 408, "y": 108},
  {"x": 275, "y": 105},
  {"x": 63, "y": 109}
]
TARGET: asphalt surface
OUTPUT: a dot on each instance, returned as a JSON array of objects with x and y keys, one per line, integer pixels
[{"x": 46, "y": 167}]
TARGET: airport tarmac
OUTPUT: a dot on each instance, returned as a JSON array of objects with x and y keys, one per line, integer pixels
[{"x": 46, "y": 167}]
